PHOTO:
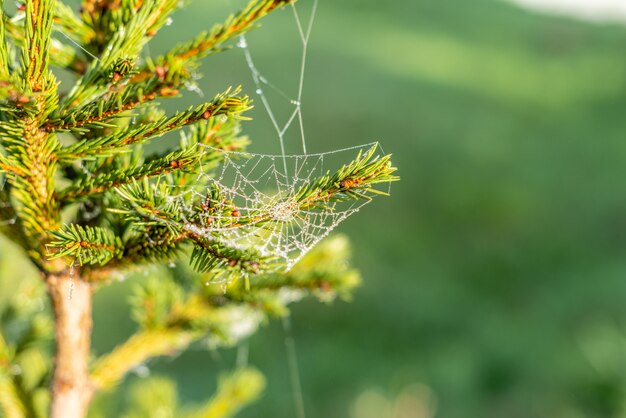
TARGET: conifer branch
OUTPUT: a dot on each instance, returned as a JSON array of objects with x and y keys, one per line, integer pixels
[
  {"x": 11, "y": 405},
  {"x": 32, "y": 181},
  {"x": 156, "y": 244},
  {"x": 170, "y": 322},
  {"x": 153, "y": 245},
  {"x": 146, "y": 205},
  {"x": 61, "y": 55},
  {"x": 85, "y": 244},
  {"x": 67, "y": 22},
  {"x": 234, "y": 392},
  {"x": 4, "y": 51},
  {"x": 223, "y": 261},
  {"x": 184, "y": 322},
  {"x": 149, "y": 207},
  {"x": 97, "y": 113},
  {"x": 132, "y": 24},
  {"x": 352, "y": 181},
  {"x": 30, "y": 151},
  {"x": 227, "y": 104},
  {"x": 38, "y": 30},
  {"x": 187, "y": 54},
  {"x": 86, "y": 186},
  {"x": 109, "y": 370},
  {"x": 323, "y": 272}
]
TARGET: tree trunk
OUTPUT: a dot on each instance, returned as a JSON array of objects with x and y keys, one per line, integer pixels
[{"x": 71, "y": 389}]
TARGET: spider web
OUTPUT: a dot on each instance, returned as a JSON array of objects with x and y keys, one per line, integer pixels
[{"x": 263, "y": 189}]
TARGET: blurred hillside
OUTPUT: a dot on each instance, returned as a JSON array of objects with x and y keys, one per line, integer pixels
[{"x": 495, "y": 275}]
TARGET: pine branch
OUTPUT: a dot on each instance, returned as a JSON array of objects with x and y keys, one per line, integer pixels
[
  {"x": 223, "y": 261},
  {"x": 106, "y": 17},
  {"x": 4, "y": 50},
  {"x": 151, "y": 206},
  {"x": 175, "y": 66},
  {"x": 146, "y": 205},
  {"x": 227, "y": 104},
  {"x": 71, "y": 25},
  {"x": 109, "y": 370},
  {"x": 61, "y": 55},
  {"x": 352, "y": 181},
  {"x": 85, "y": 244},
  {"x": 85, "y": 187},
  {"x": 153, "y": 245},
  {"x": 185, "y": 322},
  {"x": 171, "y": 321},
  {"x": 324, "y": 272},
  {"x": 96, "y": 114},
  {"x": 38, "y": 29},
  {"x": 130, "y": 36},
  {"x": 156, "y": 244},
  {"x": 10, "y": 402},
  {"x": 33, "y": 184},
  {"x": 30, "y": 152},
  {"x": 234, "y": 392},
  {"x": 11, "y": 405}
]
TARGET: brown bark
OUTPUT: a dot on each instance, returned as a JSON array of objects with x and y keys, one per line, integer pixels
[{"x": 71, "y": 389}]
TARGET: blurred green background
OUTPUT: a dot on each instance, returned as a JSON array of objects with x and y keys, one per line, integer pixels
[{"x": 495, "y": 275}]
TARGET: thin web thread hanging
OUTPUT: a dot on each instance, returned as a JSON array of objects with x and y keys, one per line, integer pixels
[
  {"x": 261, "y": 82},
  {"x": 262, "y": 188}
]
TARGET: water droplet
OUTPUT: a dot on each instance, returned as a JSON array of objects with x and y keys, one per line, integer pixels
[
  {"x": 15, "y": 370},
  {"x": 242, "y": 43},
  {"x": 259, "y": 91},
  {"x": 169, "y": 21},
  {"x": 142, "y": 371},
  {"x": 71, "y": 285},
  {"x": 296, "y": 102}
]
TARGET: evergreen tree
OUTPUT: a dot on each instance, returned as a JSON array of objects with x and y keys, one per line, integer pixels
[{"x": 86, "y": 206}]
